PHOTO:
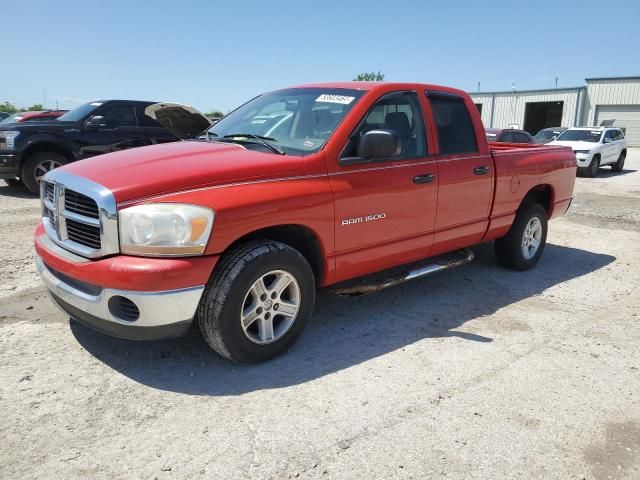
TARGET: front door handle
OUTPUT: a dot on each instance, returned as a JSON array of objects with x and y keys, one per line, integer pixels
[
  {"x": 481, "y": 170},
  {"x": 427, "y": 178}
]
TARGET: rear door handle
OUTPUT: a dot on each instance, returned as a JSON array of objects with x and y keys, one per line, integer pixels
[
  {"x": 427, "y": 178},
  {"x": 481, "y": 170}
]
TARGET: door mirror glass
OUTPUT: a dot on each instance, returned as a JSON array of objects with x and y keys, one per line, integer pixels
[{"x": 96, "y": 122}]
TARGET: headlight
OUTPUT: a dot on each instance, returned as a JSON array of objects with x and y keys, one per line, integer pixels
[
  {"x": 8, "y": 138},
  {"x": 165, "y": 229},
  {"x": 582, "y": 151}
]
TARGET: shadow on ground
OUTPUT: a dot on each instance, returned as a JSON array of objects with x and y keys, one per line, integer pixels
[
  {"x": 15, "y": 192},
  {"x": 347, "y": 331},
  {"x": 610, "y": 173}
]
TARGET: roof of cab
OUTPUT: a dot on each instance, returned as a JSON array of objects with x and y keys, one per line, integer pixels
[{"x": 387, "y": 86}]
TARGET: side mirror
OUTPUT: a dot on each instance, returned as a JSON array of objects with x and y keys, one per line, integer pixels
[
  {"x": 607, "y": 140},
  {"x": 375, "y": 145},
  {"x": 95, "y": 123}
]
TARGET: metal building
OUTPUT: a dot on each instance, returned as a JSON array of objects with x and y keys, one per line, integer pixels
[{"x": 614, "y": 98}]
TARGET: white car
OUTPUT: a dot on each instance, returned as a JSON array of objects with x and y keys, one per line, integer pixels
[{"x": 595, "y": 147}]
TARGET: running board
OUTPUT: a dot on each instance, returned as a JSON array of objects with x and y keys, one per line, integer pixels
[{"x": 389, "y": 278}]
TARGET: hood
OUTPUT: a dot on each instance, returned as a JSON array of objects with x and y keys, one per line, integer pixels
[
  {"x": 576, "y": 145},
  {"x": 173, "y": 167},
  {"x": 181, "y": 120},
  {"x": 46, "y": 125}
]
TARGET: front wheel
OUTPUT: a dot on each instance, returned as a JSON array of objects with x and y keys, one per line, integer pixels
[
  {"x": 36, "y": 166},
  {"x": 257, "y": 302},
  {"x": 594, "y": 166},
  {"x": 521, "y": 248},
  {"x": 619, "y": 165}
]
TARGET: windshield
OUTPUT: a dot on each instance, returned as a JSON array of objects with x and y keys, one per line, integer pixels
[
  {"x": 79, "y": 113},
  {"x": 547, "y": 134},
  {"x": 580, "y": 136},
  {"x": 298, "y": 120}
]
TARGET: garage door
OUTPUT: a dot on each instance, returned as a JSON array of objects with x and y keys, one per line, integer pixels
[{"x": 627, "y": 116}]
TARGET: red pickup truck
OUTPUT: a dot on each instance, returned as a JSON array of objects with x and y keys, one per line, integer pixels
[{"x": 306, "y": 187}]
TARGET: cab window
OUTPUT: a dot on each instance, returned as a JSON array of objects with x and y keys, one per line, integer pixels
[
  {"x": 119, "y": 116},
  {"x": 455, "y": 129},
  {"x": 399, "y": 112}
]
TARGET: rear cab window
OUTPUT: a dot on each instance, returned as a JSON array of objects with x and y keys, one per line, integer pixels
[{"x": 456, "y": 134}]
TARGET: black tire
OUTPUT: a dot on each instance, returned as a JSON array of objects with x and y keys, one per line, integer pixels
[
  {"x": 619, "y": 165},
  {"x": 14, "y": 182},
  {"x": 220, "y": 309},
  {"x": 509, "y": 249},
  {"x": 33, "y": 163},
  {"x": 594, "y": 166}
]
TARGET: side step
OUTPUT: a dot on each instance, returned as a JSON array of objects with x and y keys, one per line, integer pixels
[{"x": 394, "y": 276}]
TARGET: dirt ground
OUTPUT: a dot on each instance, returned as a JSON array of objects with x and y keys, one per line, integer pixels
[{"x": 477, "y": 372}]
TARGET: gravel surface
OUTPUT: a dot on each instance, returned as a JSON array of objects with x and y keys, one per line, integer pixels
[{"x": 477, "y": 372}]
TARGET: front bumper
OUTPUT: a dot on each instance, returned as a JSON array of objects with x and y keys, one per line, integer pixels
[
  {"x": 9, "y": 165},
  {"x": 583, "y": 159},
  {"x": 162, "y": 314}
]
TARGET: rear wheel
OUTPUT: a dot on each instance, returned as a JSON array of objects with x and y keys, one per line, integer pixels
[
  {"x": 619, "y": 165},
  {"x": 594, "y": 166},
  {"x": 36, "y": 166},
  {"x": 257, "y": 302},
  {"x": 522, "y": 247}
]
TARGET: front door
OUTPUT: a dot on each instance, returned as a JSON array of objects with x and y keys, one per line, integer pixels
[
  {"x": 466, "y": 176},
  {"x": 385, "y": 209},
  {"x": 119, "y": 131}
]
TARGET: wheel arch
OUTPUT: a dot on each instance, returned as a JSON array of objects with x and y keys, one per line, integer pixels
[
  {"x": 543, "y": 194},
  {"x": 47, "y": 146},
  {"x": 297, "y": 236}
]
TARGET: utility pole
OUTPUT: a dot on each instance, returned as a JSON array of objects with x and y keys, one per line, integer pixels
[
  {"x": 478, "y": 87},
  {"x": 44, "y": 97},
  {"x": 556, "y": 83}
]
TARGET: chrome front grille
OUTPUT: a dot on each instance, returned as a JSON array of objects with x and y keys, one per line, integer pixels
[{"x": 79, "y": 215}]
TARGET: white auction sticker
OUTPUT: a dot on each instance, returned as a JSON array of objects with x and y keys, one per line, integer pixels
[{"x": 342, "y": 99}]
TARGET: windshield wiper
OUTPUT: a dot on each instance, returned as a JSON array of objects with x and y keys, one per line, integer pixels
[{"x": 262, "y": 140}]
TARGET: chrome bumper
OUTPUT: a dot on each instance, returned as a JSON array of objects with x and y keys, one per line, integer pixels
[{"x": 161, "y": 314}]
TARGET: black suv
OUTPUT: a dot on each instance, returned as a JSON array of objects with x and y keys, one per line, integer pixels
[{"x": 29, "y": 150}]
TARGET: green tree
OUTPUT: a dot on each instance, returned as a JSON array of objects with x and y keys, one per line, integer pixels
[
  {"x": 369, "y": 77},
  {"x": 7, "y": 107},
  {"x": 36, "y": 106},
  {"x": 214, "y": 114}
]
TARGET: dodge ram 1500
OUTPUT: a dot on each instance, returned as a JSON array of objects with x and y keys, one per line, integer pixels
[{"x": 345, "y": 185}]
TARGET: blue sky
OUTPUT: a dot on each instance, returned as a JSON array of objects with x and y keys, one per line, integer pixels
[{"x": 218, "y": 54}]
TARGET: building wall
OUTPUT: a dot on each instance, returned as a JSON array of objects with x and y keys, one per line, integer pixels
[
  {"x": 611, "y": 91},
  {"x": 510, "y": 107}
]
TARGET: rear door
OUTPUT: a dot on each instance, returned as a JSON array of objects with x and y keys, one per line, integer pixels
[
  {"x": 465, "y": 174},
  {"x": 385, "y": 210}
]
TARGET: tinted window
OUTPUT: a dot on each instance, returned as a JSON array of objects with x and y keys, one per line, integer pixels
[
  {"x": 401, "y": 113},
  {"x": 455, "y": 130},
  {"x": 580, "y": 136},
  {"x": 507, "y": 137},
  {"x": 119, "y": 116},
  {"x": 520, "y": 137},
  {"x": 80, "y": 113}
]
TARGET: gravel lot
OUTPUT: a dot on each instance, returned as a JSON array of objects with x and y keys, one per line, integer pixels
[{"x": 477, "y": 372}]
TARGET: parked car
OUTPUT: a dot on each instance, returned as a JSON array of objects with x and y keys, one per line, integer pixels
[
  {"x": 237, "y": 232},
  {"x": 29, "y": 150},
  {"x": 4, "y": 115},
  {"x": 33, "y": 116},
  {"x": 508, "y": 135},
  {"x": 547, "y": 135},
  {"x": 595, "y": 147}
]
